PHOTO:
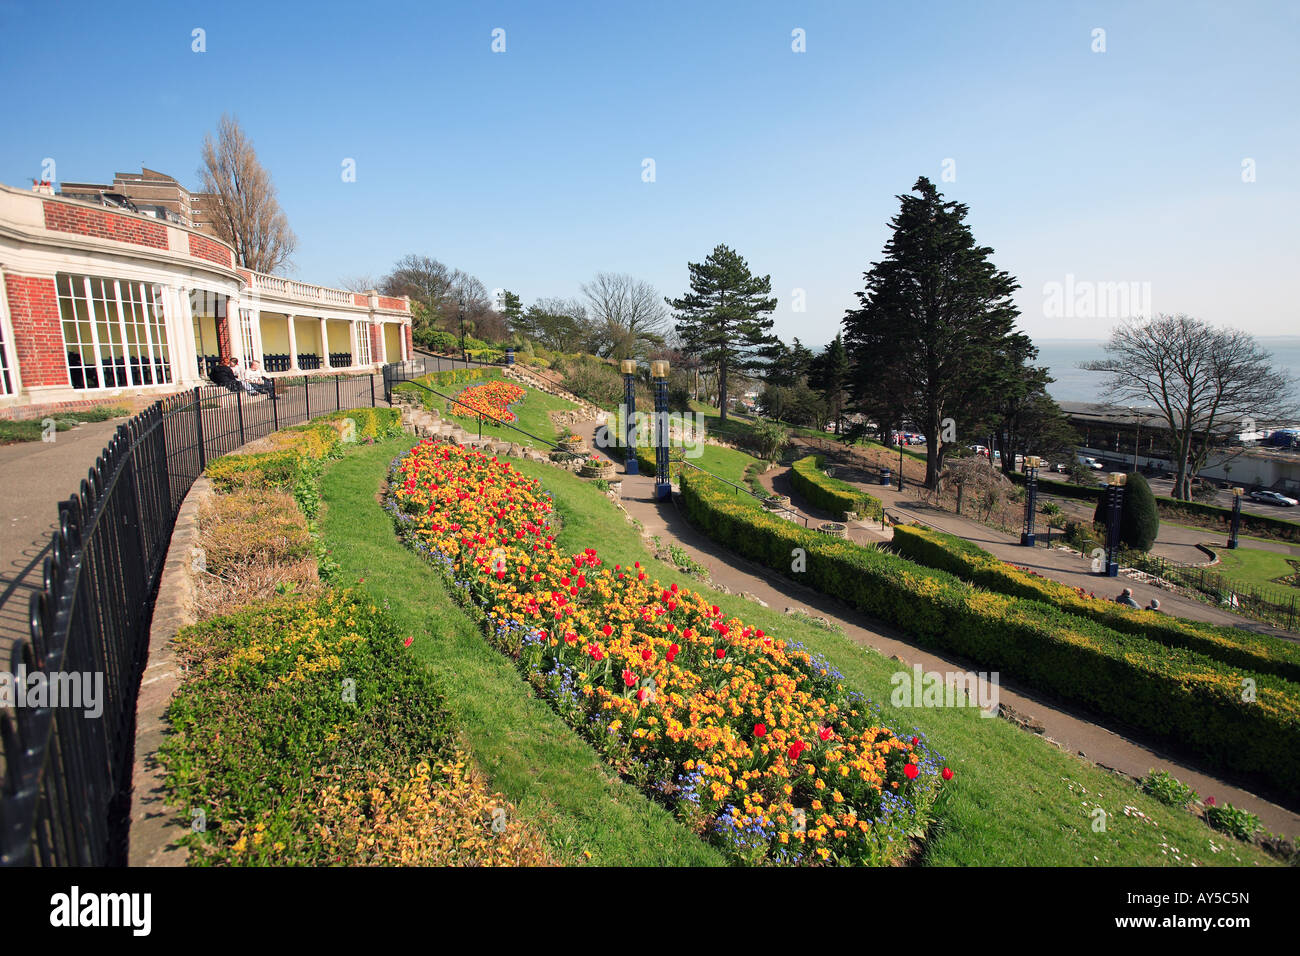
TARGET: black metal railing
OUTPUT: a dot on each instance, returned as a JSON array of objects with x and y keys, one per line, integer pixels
[
  {"x": 64, "y": 792},
  {"x": 1273, "y": 604}
]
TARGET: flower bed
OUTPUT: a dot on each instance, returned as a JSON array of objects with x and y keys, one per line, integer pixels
[
  {"x": 1231, "y": 645},
  {"x": 492, "y": 399},
  {"x": 308, "y": 735},
  {"x": 752, "y": 741},
  {"x": 1186, "y": 698}
]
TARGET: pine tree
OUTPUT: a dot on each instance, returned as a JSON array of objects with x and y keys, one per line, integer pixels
[
  {"x": 936, "y": 321},
  {"x": 829, "y": 374},
  {"x": 725, "y": 318}
]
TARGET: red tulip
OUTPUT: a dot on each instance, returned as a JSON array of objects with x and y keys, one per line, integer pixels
[
  {"x": 647, "y": 654},
  {"x": 760, "y": 730},
  {"x": 947, "y": 773},
  {"x": 408, "y": 642},
  {"x": 915, "y": 741},
  {"x": 796, "y": 749},
  {"x": 629, "y": 679},
  {"x": 607, "y": 630},
  {"x": 825, "y": 734},
  {"x": 720, "y": 653},
  {"x": 910, "y": 771},
  {"x": 673, "y": 651}
]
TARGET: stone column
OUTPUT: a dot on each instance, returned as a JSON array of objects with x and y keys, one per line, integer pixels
[
  {"x": 293, "y": 345},
  {"x": 325, "y": 342}
]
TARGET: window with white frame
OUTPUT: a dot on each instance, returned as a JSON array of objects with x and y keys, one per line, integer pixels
[
  {"x": 114, "y": 332},
  {"x": 6, "y": 377},
  {"x": 246, "y": 335},
  {"x": 363, "y": 343}
]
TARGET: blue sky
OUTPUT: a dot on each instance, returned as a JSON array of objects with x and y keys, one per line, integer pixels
[{"x": 525, "y": 167}]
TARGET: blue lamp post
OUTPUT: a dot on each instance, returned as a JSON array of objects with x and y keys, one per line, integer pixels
[
  {"x": 630, "y": 466},
  {"x": 663, "y": 482},
  {"x": 1031, "y": 499},
  {"x": 1115, "y": 501}
]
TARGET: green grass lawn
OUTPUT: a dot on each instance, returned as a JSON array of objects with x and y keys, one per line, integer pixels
[
  {"x": 1252, "y": 565},
  {"x": 1016, "y": 800},
  {"x": 531, "y": 411},
  {"x": 525, "y": 749},
  {"x": 32, "y": 429}
]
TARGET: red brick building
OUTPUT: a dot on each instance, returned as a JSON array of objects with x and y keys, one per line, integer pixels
[{"x": 97, "y": 303}]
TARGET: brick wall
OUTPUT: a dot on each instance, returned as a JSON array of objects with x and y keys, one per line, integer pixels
[
  {"x": 361, "y": 300},
  {"x": 406, "y": 330},
  {"x": 388, "y": 302},
  {"x": 38, "y": 330},
  {"x": 201, "y": 247},
  {"x": 377, "y": 342},
  {"x": 223, "y": 332},
  {"x": 65, "y": 217}
]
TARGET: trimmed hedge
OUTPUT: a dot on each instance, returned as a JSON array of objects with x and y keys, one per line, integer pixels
[
  {"x": 1232, "y": 646},
  {"x": 1174, "y": 693},
  {"x": 830, "y": 494}
]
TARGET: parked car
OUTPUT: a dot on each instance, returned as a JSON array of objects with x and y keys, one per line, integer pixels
[
  {"x": 1273, "y": 498},
  {"x": 1089, "y": 462}
]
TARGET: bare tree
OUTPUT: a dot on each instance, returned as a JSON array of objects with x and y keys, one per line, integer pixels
[
  {"x": 245, "y": 211},
  {"x": 358, "y": 283},
  {"x": 1207, "y": 382},
  {"x": 629, "y": 314}
]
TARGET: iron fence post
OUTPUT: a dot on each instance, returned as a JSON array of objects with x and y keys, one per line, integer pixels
[
  {"x": 306, "y": 398},
  {"x": 198, "y": 425},
  {"x": 338, "y": 396},
  {"x": 239, "y": 407},
  {"x": 275, "y": 409},
  {"x": 372, "y": 390}
]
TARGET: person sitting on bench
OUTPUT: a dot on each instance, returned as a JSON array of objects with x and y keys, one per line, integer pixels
[
  {"x": 1126, "y": 598},
  {"x": 225, "y": 376}
]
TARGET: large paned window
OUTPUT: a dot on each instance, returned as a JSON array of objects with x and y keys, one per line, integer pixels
[{"x": 114, "y": 332}]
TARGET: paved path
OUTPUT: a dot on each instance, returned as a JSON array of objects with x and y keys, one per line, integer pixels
[
  {"x": 1075, "y": 731},
  {"x": 34, "y": 478},
  {"x": 1059, "y": 564}
]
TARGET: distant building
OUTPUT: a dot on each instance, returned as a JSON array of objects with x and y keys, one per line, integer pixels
[{"x": 150, "y": 193}]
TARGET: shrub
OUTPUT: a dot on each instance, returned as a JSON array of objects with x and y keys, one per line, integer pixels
[
  {"x": 830, "y": 494},
  {"x": 436, "y": 341},
  {"x": 1139, "y": 521},
  {"x": 1232, "y": 820},
  {"x": 1178, "y": 695},
  {"x": 1232, "y": 646},
  {"x": 1169, "y": 790}
]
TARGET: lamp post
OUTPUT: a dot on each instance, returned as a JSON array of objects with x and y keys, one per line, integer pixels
[
  {"x": 900, "y": 459},
  {"x": 1031, "y": 499},
  {"x": 1115, "y": 500},
  {"x": 1137, "y": 434},
  {"x": 663, "y": 482},
  {"x": 630, "y": 466},
  {"x": 464, "y": 356},
  {"x": 1236, "y": 516}
]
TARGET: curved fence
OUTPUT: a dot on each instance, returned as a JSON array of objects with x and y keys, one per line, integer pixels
[{"x": 66, "y": 753}]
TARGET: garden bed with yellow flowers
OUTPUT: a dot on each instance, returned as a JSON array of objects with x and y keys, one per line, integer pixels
[{"x": 753, "y": 742}]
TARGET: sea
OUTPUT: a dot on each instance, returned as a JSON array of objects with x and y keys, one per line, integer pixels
[{"x": 1073, "y": 384}]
